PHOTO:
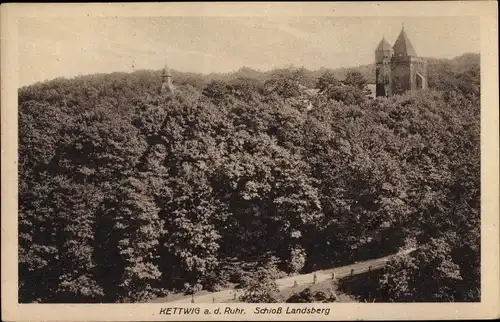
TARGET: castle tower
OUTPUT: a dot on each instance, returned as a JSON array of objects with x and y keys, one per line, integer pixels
[
  {"x": 166, "y": 87},
  {"x": 383, "y": 56},
  {"x": 408, "y": 71}
]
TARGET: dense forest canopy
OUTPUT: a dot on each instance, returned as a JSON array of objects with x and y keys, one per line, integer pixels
[{"x": 125, "y": 194}]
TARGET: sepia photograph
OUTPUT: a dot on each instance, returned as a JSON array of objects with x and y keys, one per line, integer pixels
[{"x": 183, "y": 160}]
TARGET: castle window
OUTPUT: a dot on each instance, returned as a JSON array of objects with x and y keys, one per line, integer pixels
[{"x": 420, "y": 81}]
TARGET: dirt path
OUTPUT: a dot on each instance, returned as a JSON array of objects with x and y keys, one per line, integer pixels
[{"x": 229, "y": 295}]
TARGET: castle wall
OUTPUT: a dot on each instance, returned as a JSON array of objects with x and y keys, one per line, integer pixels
[
  {"x": 401, "y": 75},
  {"x": 419, "y": 66},
  {"x": 383, "y": 78}
]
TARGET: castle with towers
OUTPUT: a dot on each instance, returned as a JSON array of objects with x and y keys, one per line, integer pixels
[{"x": 398, "y": 68}]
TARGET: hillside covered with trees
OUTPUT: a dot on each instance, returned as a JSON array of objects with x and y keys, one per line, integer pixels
[{"x": 125, "y": 194}]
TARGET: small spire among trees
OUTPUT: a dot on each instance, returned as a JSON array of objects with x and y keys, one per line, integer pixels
[{"x": 166, "y": 87}]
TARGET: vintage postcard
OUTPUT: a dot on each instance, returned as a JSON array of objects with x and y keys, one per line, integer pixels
[{"x": 250, "y": 161}]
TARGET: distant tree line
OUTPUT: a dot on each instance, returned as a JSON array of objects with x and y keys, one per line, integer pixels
[{"x": 125, "y": 195}]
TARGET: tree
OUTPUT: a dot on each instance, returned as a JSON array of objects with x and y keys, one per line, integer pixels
[
  {"x": 217, "y": 91},
  {"x": 285, "y": 84},
  {"x": 327, "y": 80},
  {"x": 246, "y": 89},
  {"x": 355, "y": 79},
  {"x": 124, "y": 193},
  {"x": 136, "y": 232},
  {"x": 262, "y": 287},
  {"x": 349, "y": 95}
]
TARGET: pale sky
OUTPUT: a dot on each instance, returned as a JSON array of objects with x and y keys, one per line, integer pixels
[{"x": 55, "y": 47}]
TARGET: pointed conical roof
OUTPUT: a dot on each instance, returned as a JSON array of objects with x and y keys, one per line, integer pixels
[
  {"x": 384, "y": 45},
  {"x": 403, "y": 45}
]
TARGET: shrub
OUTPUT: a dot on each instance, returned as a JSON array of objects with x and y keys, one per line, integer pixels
[
  {"x": 297, "y": 260},
  {"x": 305, "y": 296},
  {"x": 262, "y": 287}
]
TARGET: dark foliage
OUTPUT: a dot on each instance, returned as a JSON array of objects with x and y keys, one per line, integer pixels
[
  {"x": 125, "y": 194},
  {"x": 307, "y": 296}
]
